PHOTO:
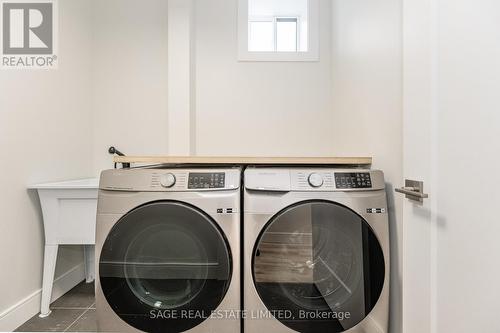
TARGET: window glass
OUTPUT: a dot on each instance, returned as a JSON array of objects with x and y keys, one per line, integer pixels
[
  {"x": 286, "y": 35},
  {"x": 278, "y": 25},
  {"x": 261, "y": 36},
  {"x": 278, "y": 30},
  {"x": 164, "y": 258},
  {"x": 320, "y": 262}
]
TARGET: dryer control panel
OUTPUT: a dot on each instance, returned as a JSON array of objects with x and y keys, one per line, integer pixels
[
  {"x": 197, "y": 180},
  {"x": 347, "y": 180},
  {"x": 313, "y": 179}
]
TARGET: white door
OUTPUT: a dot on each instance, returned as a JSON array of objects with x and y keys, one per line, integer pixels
[{"x": 451, "y": 259}]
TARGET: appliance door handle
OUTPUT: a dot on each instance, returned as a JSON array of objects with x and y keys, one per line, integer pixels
[{"x": 412, "y": 192}]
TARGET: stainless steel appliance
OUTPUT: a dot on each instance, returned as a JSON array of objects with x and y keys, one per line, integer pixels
[
  {"x": 316, "y": 251},
  {"x": 168, "y": 250}
]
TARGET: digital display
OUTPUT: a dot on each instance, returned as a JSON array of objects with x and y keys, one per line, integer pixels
[
  {"x": 353, "y": 180},
  {"x": 206, "y": 180}
]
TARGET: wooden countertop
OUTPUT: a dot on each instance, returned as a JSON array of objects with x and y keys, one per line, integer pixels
[{"x": 241, "y": 160}]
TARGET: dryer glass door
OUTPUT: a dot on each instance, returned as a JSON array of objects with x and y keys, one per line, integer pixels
[
  {"x": 318, "y": 267},
  {"x": 165, "y": 266}
]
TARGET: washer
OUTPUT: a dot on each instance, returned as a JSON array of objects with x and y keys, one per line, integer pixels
[
  {"x": 316, "y": 251},
  {"x": 168, "y": 250}
]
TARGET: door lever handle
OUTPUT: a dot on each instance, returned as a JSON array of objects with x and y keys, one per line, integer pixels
[{"x": 414, "y": 190}]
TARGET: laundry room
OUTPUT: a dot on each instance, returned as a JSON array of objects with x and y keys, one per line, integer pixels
[{"x": 249, "y": 165}]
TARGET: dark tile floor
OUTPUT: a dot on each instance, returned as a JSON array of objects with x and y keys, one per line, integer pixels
[{"x": 73, "y": 312}]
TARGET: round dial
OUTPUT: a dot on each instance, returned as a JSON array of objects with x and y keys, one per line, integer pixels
[
  {"x": 315, "y": 180},
  {"x": 167, "y": 180}
]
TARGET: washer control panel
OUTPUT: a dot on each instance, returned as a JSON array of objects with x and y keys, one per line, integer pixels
[
  {"x": 348, "y": 180},
  {"x": 206, "y": 180},
  {"x": 313, "y": 179},
  {"x": 159, "y": 179}
]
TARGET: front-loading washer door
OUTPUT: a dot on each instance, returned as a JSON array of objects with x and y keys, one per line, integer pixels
[
  {"x": 164, "y": 267},
  {"x": 318, "y": 267}
]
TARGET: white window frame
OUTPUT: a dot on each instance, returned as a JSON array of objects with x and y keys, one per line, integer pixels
[{"x": 312, "y": 53}]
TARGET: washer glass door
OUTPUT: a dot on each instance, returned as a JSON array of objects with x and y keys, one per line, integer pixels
[
  {"x": 165, "y": 266},
  {"x": 318, "y": 267}
]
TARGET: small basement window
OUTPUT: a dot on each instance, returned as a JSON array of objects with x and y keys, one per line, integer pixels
[
  {"x": 276, "y": 34},
  {"x": 278, "y": 30}
]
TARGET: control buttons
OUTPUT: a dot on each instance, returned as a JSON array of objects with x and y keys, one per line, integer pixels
[
  {"x": 315, "y": 180},
  {"x": 353, "y": 180},
  {"x": 206, "y": 180},
  {"x": 167, "y": 180}
]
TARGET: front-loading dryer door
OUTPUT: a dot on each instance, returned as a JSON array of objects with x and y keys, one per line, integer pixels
[
  {"x": 318, "y": 267},
  {"x": 164, "y": 267}
]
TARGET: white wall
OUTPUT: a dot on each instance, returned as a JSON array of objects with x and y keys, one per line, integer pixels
[
  {"x": 258, "y": 108},
  {"x": 110, "y": 89},
  {"x": 45, "y": 130},
  {"x": 129, "y": 83},
  {"x": 367, "y": 103}
]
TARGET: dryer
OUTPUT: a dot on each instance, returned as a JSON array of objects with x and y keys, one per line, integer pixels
[
  {"x": 168, "y": 250},
  {"x": 316, "y": 251}
]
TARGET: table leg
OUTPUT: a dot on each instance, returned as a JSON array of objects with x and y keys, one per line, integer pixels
[
  {"x": 49, "y": 266},
  {"x": 89, "y": 263}
]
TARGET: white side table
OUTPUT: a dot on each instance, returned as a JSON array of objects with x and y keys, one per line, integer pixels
[{"x": 69, "y": 211}]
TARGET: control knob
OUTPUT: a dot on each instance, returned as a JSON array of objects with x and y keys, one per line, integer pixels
[
  {"x": 167, "y": 180},
  {"x": 315, "y": 180}
]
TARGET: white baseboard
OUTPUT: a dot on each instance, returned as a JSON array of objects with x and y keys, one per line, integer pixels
[{"x": 29, "y": 306}]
